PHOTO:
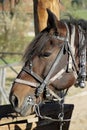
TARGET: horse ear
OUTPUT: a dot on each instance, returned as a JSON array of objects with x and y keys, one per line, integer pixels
[{"x": 52, "y": 19}]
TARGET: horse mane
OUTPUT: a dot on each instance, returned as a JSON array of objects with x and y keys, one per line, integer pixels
[
  {"x": 78, "y": 22},
  {"x": 36, "y": 45},
  {"x": 39, "y": 41}
]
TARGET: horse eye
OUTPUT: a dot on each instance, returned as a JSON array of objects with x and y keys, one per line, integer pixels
[{"x": 46, "y": 54}]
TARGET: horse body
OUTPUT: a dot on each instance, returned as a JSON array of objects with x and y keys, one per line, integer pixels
[{"x": 50, "y": 64}]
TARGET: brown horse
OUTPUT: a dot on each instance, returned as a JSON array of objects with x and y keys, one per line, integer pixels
[{"x": 54, "y": 61}]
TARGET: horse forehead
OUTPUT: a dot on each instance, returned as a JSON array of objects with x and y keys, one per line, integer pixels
[
  {"x": 61, "y": 30},
  {"x": 49, "y": 48}
]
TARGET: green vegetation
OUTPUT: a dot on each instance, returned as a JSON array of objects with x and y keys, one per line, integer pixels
[
  {"x": 14, "y": 31},
  {"x": 77, "y": 11},
  {"x": 81, "y": 13}
]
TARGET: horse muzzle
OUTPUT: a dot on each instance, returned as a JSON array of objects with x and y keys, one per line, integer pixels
[{"x": 27, "y": 106}]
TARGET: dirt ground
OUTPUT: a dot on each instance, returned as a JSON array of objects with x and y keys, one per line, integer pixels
[{"x": 78, "y": 97}]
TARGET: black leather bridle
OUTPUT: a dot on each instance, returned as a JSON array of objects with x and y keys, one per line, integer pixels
[{"x": 43, "y": 83}]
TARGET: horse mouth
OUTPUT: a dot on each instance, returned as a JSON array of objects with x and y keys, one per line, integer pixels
[{"x": 24, "y": 110}]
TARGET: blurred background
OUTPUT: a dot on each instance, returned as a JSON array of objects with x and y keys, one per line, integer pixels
[{"x": 16, "y": 32}]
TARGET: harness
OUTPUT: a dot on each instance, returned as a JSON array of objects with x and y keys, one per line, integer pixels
[
  {"x": 42, "y": 84},
  {"x": 82, "y": 55}
]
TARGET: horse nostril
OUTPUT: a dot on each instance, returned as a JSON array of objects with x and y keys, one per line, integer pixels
[{"x": 14, "y": 101}]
